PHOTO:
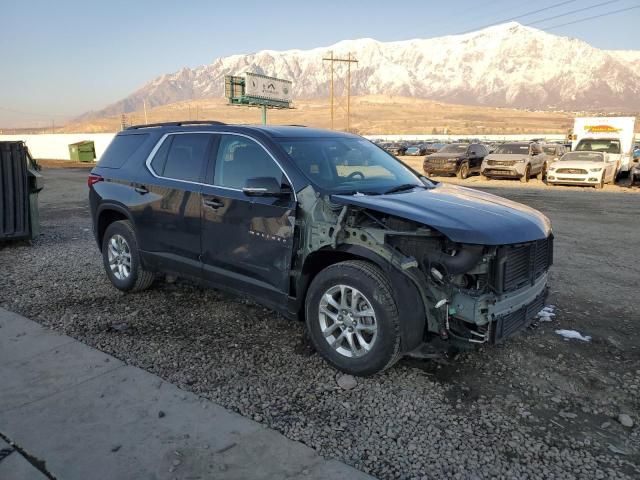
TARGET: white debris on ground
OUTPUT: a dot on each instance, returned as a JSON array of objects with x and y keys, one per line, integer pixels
[
  {"x": 568, "y": 334},
  {"x": 547, "y": 313}
]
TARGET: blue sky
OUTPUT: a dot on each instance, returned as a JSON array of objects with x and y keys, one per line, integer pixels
[{"x": 62, "y": 58}]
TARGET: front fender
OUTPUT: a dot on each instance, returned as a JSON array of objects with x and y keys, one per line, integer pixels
[{"x": 411, "y": 308}]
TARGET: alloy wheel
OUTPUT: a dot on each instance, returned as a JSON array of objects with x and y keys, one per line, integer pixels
[
  {"x": 347, "y": 321},
  {"x": 119, "y": 257}
]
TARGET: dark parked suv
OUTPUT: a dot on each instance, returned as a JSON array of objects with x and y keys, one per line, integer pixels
[
  {"x": 376, "y": 259},
  {"x": 461, "y": 159}
]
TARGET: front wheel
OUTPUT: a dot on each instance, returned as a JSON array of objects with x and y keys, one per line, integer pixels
[
  {"x": 527, "y": 174},
  {"x": 352, "y": 318},
  {"x": 463, "y": 171},
  {"x": 122, "y": 260},
  {"x": 543, "y": 172},
  {"x": 600, "y": 184}
]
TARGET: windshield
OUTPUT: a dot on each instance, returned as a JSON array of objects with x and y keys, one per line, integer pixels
[
  {"x": 512, "y": 149},
  {"x": 340, "y": 164},
  {"x": 594, "y": 145},
  {"x": 583, "y": 157},
  {"x": 455, "y": 148}
]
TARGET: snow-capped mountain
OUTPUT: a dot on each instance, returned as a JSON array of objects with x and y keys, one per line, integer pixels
[{"x": 505, "y": 65}]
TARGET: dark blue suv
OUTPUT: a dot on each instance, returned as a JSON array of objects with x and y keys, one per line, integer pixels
[{"x": 323, "y": 226}]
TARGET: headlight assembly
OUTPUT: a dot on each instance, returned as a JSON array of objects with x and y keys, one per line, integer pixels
[{"x": 595, "y": 169}]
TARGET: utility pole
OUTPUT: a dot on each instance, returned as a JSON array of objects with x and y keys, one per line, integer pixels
[
  {"x": 349, "y": 60},
  {"x": 348, "y": 89}
]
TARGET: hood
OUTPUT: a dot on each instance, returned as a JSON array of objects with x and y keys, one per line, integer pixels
[
  {"x": 462, "y": 214},
  {"x": 446, "y": 155},
  {"x": 577, "y": 164}
]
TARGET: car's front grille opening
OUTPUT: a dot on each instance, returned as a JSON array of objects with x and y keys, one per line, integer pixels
[
  {"x": 575, "y": 171},
  {"x": 519, "y": 265}
]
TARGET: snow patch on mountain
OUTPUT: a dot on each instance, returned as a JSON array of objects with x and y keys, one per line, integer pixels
[{"x": 507, "y": 65}]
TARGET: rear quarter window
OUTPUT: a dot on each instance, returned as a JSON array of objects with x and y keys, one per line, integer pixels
[{"x": 121, "y": 148}]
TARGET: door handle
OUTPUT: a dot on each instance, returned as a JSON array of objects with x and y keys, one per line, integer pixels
[
  {"x": 141, "y": 189},
  {"x": 213, "y": 203}
]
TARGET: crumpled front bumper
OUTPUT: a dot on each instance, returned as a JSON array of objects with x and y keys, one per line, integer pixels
[{"x": 506, "y": 313}]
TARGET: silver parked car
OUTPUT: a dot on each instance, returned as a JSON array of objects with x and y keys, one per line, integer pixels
[{"x": 515, "y": 160}]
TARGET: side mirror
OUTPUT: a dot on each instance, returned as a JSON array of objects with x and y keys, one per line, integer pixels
[{"x": 264, "y": 187}]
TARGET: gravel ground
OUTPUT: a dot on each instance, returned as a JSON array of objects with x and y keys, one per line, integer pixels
[{"x": 536, "y": 407}]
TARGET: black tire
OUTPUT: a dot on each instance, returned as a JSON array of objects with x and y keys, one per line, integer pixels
[
  {"x": 527, "y": 174},
  {"x": 543, "y": 172},
  {"x": 374, "y": 285},
  {"x": 138, "y": 279},
  {"x": 600, "y": 184},
  {"x": 463, "y": 171}
]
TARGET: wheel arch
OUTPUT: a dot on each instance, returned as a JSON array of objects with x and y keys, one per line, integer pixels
[
  {"x": 411, "y": 310},
  {"x": 107, "y": 214}
]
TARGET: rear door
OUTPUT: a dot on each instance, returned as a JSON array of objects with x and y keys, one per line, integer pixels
[
  {"x": 247, "y": 242},
  {"x": 536, "y": 157},
  {"x": 477, "y": 153},
  {"x": 167, "y": 208}
]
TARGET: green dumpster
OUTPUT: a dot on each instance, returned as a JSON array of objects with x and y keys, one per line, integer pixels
[{"x": 84, "y": 151}]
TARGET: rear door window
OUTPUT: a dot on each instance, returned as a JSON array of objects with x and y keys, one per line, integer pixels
[
  {"x": 121, "y": 148},
  {"x": 182, "y": 156}
]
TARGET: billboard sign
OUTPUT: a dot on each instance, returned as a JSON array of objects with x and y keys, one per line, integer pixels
[{"x": 269, "y": 88}]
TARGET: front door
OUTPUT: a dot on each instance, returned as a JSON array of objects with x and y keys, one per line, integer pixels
[
  {"x": 247, "y": 242},
  {"x": 167, "y": 207}
]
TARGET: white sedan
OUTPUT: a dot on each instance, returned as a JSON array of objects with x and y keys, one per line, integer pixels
[{"x": 582, "y": 168}]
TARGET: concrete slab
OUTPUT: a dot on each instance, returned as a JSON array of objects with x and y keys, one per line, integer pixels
[
  {"x": 16, "y": 467},
  {"x": 86, "y": 417},
  {"x": 47, "y": 371},
  {"x": 15, "y": 343}
]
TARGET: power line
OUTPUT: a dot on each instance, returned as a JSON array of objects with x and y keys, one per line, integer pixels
[
  {"x": 555, "y": 5},
  {"x": 592, "y": 17},
  {"x": 573, "y": 11}
]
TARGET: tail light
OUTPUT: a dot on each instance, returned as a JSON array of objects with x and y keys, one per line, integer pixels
[{"x": 93, "y": 179}]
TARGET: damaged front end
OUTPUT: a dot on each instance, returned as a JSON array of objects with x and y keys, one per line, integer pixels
[{"x": 468, "y": 293}]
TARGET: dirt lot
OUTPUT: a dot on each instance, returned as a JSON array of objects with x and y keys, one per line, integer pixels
[{"x": 538, "y": 406}]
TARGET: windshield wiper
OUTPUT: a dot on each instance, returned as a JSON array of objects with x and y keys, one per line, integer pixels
[
  {"x": 356, "y": 192},
  {"x": 403, "y": 187}
]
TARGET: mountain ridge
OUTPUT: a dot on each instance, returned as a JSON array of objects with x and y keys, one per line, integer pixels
[{"x": 508, "y": 65}]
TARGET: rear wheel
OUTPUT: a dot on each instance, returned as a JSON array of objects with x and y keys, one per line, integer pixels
[
  {"x": 352, "y": 318},
  {"x": 463, "y": 171},
  {"x": 122, "y": 260},
  {"x": 527, "y": 174}
]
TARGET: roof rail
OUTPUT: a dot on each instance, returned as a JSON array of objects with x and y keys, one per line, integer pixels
[{"x": 176, "y": 124}]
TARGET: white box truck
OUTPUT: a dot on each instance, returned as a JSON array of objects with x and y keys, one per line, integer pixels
[{"x": 611, "y": 135}]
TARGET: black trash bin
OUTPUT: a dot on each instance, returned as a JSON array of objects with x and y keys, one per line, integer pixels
[{"x": 20, "y": 183}]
